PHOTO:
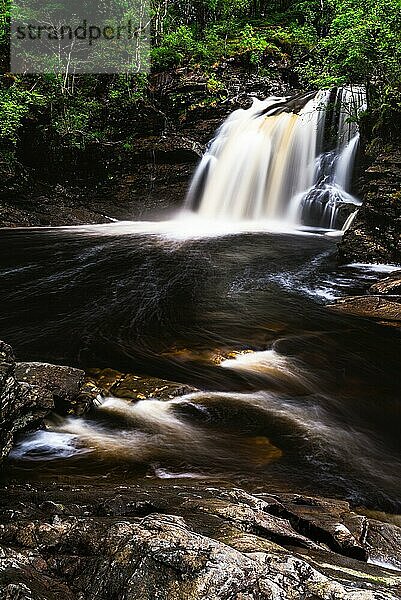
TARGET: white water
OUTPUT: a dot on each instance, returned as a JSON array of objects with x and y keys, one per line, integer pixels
[
  {"x": 152, "y": 432},
  {"x": 267, "y": 163}
]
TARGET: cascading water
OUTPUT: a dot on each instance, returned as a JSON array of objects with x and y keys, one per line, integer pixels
[{"x": 283, "y": 159}]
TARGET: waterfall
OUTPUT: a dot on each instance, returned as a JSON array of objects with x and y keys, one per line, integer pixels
[{"x": 284, "y": 159}]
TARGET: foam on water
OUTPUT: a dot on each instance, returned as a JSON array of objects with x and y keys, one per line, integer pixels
[
  {"x": 272, "y": 163},
  {"x": 48, "y": 445},
  {"x": 376, "y": 268}
]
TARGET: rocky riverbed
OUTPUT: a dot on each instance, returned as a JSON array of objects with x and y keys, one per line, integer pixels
[
  {"x": 192, "y": 541},
  {"x": 168, "y": 538},
  {"x": 382, "y": 303}
]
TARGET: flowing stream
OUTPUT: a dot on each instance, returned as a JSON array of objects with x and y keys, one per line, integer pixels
[{"x": 286, "y": 393}]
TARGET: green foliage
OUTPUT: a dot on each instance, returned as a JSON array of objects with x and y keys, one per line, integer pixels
[
  {"x": 4, "y": 21},
  {"x": 203, "y": 33},
  {"x": 72, "y": 113},
  {"x": 125, "y": 90},
  {"x": 15, "y": 104},
  {"x": 75, "y": 123},
  {"x": 254, "y": 44},
  {"x": 178, "y": 46},
  {"x": 214, "y": 85},
  {"x": 362, "y": 45},
  {"x": 326, "y": 42},
  {"x": 220, "y": 41}
]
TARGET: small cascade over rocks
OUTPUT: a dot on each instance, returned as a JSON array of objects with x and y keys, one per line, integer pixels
[{"x": 283, "y": 159}]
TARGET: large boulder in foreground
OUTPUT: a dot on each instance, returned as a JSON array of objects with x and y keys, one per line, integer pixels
[
  {"x": 197, "y": 541},
  {"x": 22, "y": 406},
  {"x": 64, "y": 383}
]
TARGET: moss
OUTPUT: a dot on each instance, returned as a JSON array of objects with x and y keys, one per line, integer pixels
[{"x": 214, "y": 85}]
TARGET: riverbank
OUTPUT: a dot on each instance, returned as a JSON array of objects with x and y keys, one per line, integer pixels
[{"x": 201, "y": 540}]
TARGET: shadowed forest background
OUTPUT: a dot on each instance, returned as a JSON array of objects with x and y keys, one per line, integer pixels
[{"x": 311, "y": 44}]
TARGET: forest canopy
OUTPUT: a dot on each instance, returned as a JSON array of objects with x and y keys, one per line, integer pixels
[{"x": 323, "y": 43}]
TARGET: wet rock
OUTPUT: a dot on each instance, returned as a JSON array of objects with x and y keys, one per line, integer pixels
[
  {"x": 375, "y": 234},
  {"x": 22, "y": 406},
  {"x": 388, "y": 285},
  {"x": 205, "y": 356},
  {"x": 255, "y": 520},
  {"x": 384, "y": 542},
  {"x": 47, "y": 204},
  {"x": 64, "y": 383},
  {"x": 386, "y": 310},
  {"x": 127, "y": 385},
  {"x": 86, "y": 548},
  {"x": 329, "y": 521},
  {"x": 29, "y": 392}
]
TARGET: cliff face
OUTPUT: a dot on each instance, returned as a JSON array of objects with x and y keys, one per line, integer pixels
[{"x": 375, "y": 234}]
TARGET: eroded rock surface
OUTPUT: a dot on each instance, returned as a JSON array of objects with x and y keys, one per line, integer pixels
[
  {"x": 205, "y": 542},
  {"x": 30, "y": 391},
  {"x": 386, "y": 310},
  {"x": 108, "y": 382},
  {"x": 375, "y": 234}
]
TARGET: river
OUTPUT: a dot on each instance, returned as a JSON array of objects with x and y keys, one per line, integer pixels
[{"x": 309, "y": 400}]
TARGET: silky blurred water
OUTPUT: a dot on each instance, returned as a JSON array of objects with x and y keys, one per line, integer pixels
[{"x": 312, "y": 401}]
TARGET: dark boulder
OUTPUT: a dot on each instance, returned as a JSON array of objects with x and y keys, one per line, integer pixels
[
  {"x": 22, "y": 406},
  {"x": 29, "y": 392},
  {"x": 64, "y": 383}
]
